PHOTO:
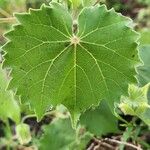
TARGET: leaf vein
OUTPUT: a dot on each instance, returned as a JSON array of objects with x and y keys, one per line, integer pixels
[
  {"x": 97, "y": 66},
  {"x": 110, "y": 49},
  {"x": 99, "y": 28},
  {"x": 46, "y": 74}
]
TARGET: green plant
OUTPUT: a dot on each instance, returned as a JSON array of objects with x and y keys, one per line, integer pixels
[
  {"x": 84, "y": 61},
  {"x": 61, "y": 75}
]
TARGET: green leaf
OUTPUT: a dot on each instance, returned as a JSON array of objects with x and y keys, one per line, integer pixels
[
  {"x": 146, "y": 116},
  {"x": 100, "y": 121},
  {"x": 59, "y": 135},
  {"x": 8, "y": 106},
  {"x": 144, "y": 70},
  {"x": 137, "y": 103},
  {"x": 23, "y": 133},
  {"x": 52, "y": 65},
  {"x": 144, "y": 52}
]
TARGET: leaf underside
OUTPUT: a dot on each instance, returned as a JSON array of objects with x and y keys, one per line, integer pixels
[{"x": 51, "y": 65}]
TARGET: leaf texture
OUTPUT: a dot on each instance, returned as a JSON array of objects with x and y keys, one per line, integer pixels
[{"x": 52, "y": 65}]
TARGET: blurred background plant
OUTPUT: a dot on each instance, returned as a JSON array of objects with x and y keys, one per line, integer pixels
[{"x": 8, "y": 7}]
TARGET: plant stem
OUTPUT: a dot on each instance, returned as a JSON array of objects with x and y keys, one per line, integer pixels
[
  {"x": 54, "y": 112},
  {"x": 8, "y": 133},
  {"x": 96, "y": 2},
  {"x": 4, "y": 13},
  {"x": 7, "y": 20},
  {"x": 28, "y": 116},
  {"x": 124, "y": 143}
]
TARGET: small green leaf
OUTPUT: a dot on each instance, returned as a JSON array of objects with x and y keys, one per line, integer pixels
[
  {"x": 52, "y": 65},
  {"x": 100, "y": 120},
  {"x": 137, "y": 103},
  {"x": 23, "y": 133},
  {"x": 60, "y": 135},
  {"x": 8, "y": 106}
]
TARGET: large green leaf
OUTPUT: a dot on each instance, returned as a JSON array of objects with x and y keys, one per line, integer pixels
[
  {"x": 52, "y": 65},
  {"x": 8, "y": 106},
  {"x": 59, "y": 135},
  {"x": 100, "y": 121}
]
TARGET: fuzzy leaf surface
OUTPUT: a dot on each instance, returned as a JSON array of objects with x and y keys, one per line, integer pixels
[{"x": 51, "y": 65}]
